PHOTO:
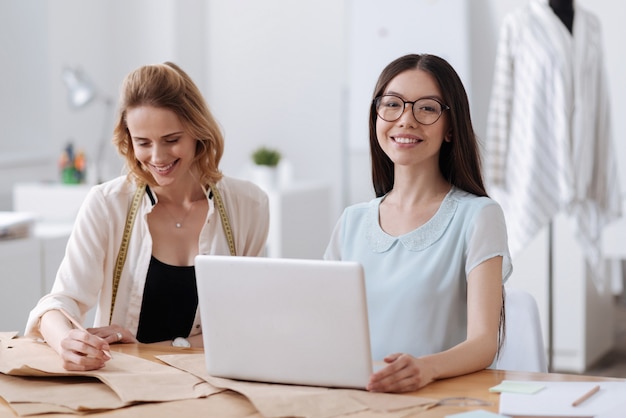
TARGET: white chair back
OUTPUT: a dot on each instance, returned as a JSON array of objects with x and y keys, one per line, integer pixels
[{"x": 523, "y": 348}]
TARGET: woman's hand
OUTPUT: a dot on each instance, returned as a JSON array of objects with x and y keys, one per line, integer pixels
[
  {"x": 82, "y": 351},
  {"x": 78, "y": 348},
  {"x": 89, "y": 350},
  {"x": 403, "y": 373},
  {"x": 113, "y": 334}
]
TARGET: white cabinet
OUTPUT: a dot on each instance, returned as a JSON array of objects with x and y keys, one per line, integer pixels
[
  {"x": 29, "y": 265},
  {"x": 52, "y": 239},
  {"x": 583, "y": 309},
  {"x": 20, "y": 281},
  {"x": 55, "y": 206},
  {"x": 614, "y": 237},
  {"x": 300, "y": 221},
  {"x": 51, "y": 202}
]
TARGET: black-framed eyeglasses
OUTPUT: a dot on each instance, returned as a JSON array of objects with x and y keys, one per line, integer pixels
[{"x": 426, "y": 111}]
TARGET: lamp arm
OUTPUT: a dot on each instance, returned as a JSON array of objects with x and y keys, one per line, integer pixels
[{"x": 108, "y": 104}]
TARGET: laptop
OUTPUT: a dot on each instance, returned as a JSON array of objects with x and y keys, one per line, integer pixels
[{"x": 288, "y": 321}]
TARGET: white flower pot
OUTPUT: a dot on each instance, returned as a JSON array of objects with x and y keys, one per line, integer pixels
[{"x": 265, "y": 177}]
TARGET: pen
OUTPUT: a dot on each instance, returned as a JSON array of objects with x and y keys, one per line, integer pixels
[
  {"x": 586, "y": 396},
  {"x": 80, "y": 327}
]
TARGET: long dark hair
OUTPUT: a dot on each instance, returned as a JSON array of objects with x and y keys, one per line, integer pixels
[{"x": 459, "y": 159}]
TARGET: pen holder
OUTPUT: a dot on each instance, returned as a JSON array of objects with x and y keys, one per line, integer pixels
[{"x": 72, "y": 166}]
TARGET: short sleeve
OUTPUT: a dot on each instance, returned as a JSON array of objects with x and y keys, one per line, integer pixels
[
  {"x": 488, "y": 238},
  {"x": 333, "y": 250}
]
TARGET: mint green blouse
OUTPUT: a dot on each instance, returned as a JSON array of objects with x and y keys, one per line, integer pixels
[{"x": 416, "y": 282}]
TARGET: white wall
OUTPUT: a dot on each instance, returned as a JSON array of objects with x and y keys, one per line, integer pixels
[
  {"x": 24, "y": 111},
  {"x": 275, "y": 78},
  {"x": 24, "y": 115},
  {"x": 106, "y": 39},
  {"x": 273, "y": 71},
  {"x": 378, "y": 34}
]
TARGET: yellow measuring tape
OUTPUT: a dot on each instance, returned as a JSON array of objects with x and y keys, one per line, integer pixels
[
  {"x": 224, "y": 217},
  {"x": 130, "y": 220},
  {"x": 121, "y": 255}
]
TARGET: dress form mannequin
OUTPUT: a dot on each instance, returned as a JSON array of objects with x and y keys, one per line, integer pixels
[{"x": 564, "y": 9}]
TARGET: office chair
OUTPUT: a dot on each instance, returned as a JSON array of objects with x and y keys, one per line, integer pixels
[{"x": 523, "y": 348}]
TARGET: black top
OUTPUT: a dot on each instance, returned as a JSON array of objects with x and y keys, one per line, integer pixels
[{"x": 170, "y": 300}]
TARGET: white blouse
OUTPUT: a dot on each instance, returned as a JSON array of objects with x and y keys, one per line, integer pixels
[{"x": 85, "y": 276}]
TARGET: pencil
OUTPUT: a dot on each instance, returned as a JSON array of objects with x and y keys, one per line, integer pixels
[
  {"x": 80, "y": 327},
  {"x": 586, "y": 396}
]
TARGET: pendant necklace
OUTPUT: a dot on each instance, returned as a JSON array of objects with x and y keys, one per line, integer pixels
[{"x": 179, "y": 224}]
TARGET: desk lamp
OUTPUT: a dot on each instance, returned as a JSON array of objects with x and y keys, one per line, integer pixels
[{"x": 81, "y": 92}]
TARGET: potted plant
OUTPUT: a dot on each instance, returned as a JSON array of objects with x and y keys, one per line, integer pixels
[
  {"x": 264, "y": 172},
  {"x": 266, "y": 156}
]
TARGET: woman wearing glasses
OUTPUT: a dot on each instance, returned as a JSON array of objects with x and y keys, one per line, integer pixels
[{"x": 433, "y": 245}]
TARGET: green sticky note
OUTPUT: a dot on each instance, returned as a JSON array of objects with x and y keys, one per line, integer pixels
[{"x": 517, "y": 387}]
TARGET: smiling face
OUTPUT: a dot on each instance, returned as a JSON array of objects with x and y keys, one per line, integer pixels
[
  {"x": 405, "y": 141},
  {"x": 161, "y": 144}
]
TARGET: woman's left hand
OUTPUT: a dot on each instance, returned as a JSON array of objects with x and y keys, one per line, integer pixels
[
  {"x": 403, "y": 373},
  {"x": 113, "y": 334}
]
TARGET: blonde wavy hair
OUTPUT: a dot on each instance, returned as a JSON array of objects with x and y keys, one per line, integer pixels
[{"x": 167, "y": 86}]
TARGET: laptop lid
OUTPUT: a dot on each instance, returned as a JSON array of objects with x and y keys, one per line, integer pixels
[{"x": 291, "y": 321}]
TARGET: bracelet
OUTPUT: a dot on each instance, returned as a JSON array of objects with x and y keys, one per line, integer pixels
[{"x": 181, "y": 342}]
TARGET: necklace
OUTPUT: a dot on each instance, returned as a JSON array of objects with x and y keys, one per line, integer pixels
[{"x": 179, "y": 224}]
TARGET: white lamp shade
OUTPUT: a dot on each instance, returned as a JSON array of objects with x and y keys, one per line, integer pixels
[{"x": 80, "y": 89}]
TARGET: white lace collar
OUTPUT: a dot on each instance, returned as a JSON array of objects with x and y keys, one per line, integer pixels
[{"x": 418, "y": 239}]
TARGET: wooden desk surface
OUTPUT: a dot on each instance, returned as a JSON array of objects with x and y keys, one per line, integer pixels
[{"x": 474, "y": 385}]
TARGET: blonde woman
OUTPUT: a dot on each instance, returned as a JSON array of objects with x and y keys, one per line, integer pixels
[{"x": 183, "y": 206}]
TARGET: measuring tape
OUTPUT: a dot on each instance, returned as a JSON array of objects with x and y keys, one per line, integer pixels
[
  {"x": 130, "y": 220},
  {"x": 121, "y": 256},
  {"x": 224, "y": 217}
]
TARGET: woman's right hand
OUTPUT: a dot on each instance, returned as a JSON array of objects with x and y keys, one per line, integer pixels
[{"x": 80, "y": 351}]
